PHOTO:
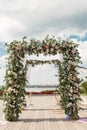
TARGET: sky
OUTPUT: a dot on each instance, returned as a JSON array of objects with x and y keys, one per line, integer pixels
[{"x": 37, "y": 18}]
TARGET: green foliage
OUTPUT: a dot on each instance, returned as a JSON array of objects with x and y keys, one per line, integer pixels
[
  {"x": 69, "y": 81},
  {"x": 1, "y": 88},
  {"x": 14, "y": 92},
  {"x": 84, "y": 87}
]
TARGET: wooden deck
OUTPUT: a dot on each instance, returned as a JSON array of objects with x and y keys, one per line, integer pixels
[{"x": 43, "y": 114}]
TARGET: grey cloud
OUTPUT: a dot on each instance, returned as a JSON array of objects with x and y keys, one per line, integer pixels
[{"x": 33, "y": 17}]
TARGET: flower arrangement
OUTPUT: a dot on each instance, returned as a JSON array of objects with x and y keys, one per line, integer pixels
[{"x": 14, "y": 92}]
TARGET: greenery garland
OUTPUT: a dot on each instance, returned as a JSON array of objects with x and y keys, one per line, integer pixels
[
  {"x": 38, "y": 62},
  {"x": 69, "y": 81},
  {"x": 14, "y": 92}
]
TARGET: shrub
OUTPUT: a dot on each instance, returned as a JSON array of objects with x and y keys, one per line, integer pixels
[{"x": 84, "y": 87}]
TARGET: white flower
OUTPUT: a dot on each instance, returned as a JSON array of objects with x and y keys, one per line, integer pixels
[
  {"x": 19, "y": 48},
  {"x": 51, "y": 49},
  {"x": 69, "y": 104},
  {"x": 11, "y": 82},
  {"x": 5, "y": 102},
  {"x": 4, "y": 107},
  {"x": 9, "y": 78},
  {"x": 14, "y": 74},
  {"x": 76, "y": 84},
  {"x": 9, "y": 72},
  {"x": 10, "y": 89},
  {"x": 20, "y": 72},
  {"x": 69, "y": 61},
  {"x": 67, "y": 52}
]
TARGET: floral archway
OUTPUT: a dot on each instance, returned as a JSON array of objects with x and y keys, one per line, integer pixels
[{"x": 14, "y": 92}]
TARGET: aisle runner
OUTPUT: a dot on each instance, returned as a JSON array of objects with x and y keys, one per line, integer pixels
[{"x": 82, "y": 120}]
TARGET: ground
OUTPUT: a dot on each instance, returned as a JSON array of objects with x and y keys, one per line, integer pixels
[{"x": 43, "y": 113}]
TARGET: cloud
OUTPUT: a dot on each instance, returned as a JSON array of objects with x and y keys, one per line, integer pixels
[
  {"x": 3, "y": 61},
  {"x": 83, "y": 52},
  {"x": 35, "y": 18},
  {"x": 2, "y": 76},
  {"x": 42, "y": 75},
  {"x": 82, "y": 48}
]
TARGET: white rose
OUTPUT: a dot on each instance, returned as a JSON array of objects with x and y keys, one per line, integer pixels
[
  {"x": 10, "y": 81},
  {"x": 9, "y": 72}
]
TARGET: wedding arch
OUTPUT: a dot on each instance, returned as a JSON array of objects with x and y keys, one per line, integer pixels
[{"x": 16, "y": 69}]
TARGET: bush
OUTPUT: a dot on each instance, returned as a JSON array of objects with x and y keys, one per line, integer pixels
[{"x": 84, "y": 87}]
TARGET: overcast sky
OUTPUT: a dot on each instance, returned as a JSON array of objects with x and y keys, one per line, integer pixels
[{"x": 37, "y": 18}]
